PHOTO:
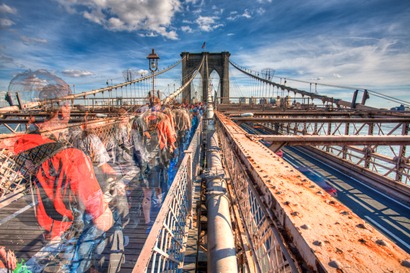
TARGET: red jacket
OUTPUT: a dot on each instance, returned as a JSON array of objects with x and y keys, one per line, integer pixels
[{"x": 66, "y": 179}]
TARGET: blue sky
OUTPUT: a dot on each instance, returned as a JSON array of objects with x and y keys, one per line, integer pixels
[{"x": 350, "y": 43}]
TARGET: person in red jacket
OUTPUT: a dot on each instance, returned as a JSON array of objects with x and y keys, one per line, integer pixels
[{"x": 71, "y": 206}]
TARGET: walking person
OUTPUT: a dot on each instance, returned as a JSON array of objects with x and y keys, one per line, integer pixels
[
  {"x": 113, "y": 188},
  {"x": 71, "y": 206},
  {"x": 153, "y": 156}
]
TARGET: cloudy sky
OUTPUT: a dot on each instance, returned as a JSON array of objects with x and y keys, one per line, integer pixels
[{"x": 348, "y": 43}]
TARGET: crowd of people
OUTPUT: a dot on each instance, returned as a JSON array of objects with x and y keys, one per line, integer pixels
[{"x": 84, "y": 182}]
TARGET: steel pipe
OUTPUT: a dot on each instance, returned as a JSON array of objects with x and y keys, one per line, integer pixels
[{"x": 221, "y": 241}]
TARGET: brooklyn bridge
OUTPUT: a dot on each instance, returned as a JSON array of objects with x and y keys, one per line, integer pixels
[{"x": 265, "y": 174}]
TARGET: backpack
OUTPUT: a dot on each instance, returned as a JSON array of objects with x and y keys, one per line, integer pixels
[{"x": 37, "y": 156}]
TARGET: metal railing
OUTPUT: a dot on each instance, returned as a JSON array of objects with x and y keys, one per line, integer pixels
[
  {"x": 264, "y": 248},
  {"x": 387, "y": 160},
  {"x": 11, "y": 179},
  {"x": 164, "y": 248}
]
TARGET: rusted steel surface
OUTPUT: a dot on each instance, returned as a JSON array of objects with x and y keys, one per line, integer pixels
[{"x": 327, "y": 234}]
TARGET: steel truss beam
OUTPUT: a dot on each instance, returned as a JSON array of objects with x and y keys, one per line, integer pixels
[
  {"x": 378, "y": 144},
  {"x": 336, "y": 140}
]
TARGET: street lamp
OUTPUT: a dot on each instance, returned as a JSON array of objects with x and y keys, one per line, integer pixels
[{"x": 153, "y": 66}]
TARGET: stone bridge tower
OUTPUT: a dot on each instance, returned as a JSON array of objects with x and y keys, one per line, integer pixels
[{"x": 218, "y": 62}]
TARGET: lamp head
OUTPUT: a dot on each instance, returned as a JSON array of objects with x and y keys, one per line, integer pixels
[{"x": 153, "y": 61}]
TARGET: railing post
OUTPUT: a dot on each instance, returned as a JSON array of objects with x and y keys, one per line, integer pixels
[{"x": 188, "y": 154}]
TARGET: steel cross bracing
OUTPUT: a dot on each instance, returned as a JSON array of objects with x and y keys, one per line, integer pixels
[{"x": 374, "y": 142}]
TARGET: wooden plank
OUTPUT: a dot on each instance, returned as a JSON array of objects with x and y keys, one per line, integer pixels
[{"x": 20, "y": 231}]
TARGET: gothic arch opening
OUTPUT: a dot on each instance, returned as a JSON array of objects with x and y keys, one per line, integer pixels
[
  {"x": 196, "y": 89},
  {"x": 218, "y": 62},
  {"x": 215, "y": 84}
]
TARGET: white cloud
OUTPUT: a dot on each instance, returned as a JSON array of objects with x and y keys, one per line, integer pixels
[
  {"x": 172, "y": 34},
  {"x": 343, "y": 61},
  {"x": 148, "y": 34},
  {"x": 197, "y": 11},
  {"x": 5, "y": 59},
  {"x": 235, "y": 16},
  {"x": 208, "y": 23},
  {"x": 77, "y": 73},
  {"x": 246, "y": 14},
  {"x": 260, "y": 11},
  {"x": 116, "y": 24},
  {"x": 194, "y": 2},
  {"x": 142, "y": 72},
  {"x": 7, "y": 9},
  {"x": 94, "y": 16},
  {"x": 4, "y": 23},
  {"x": 129, "y": 15},
  {"x": 29, "y": 40},
  {"x": 217, "y": 11},
  {"x": 186, "y": 29}
]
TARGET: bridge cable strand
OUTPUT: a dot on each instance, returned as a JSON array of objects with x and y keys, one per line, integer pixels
[
  {"x": 284, "y": 87},
  {"x": 377, "y": 94}
]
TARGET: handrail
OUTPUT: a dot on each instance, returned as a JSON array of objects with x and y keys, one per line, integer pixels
[{"x": 163, "y": 249}]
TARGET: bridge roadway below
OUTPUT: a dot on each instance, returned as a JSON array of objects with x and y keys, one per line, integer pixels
[{"x": 388, "y": 215}]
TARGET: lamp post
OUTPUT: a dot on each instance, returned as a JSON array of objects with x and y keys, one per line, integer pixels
[{"x": 153, "y": 66}]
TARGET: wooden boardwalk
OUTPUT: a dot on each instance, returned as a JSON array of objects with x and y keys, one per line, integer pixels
[{"x": 20, "y": 231}]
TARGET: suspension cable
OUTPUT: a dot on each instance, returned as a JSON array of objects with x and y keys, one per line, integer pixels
[
  {"x": 96, "y": 91},
  {"x": 316, "y": 95}
]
